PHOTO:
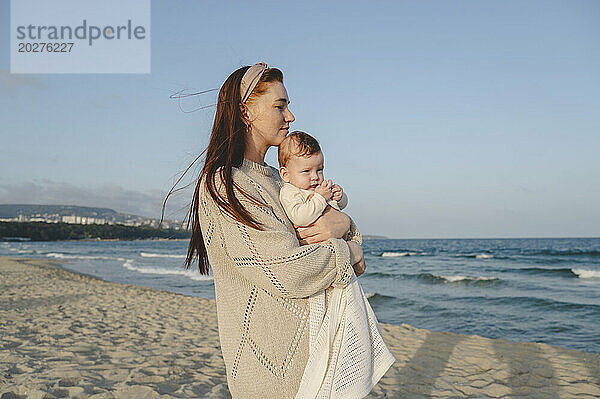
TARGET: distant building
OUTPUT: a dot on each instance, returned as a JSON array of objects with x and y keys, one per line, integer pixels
[
  {"x": 82, "y": 220},
  {"x": 71, "y": 219}
]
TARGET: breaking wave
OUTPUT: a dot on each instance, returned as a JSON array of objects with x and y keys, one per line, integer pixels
[
  {"x": 563, "y": 272},
  {"x": 58, "y": 255},
  {"x": 375, "y": 297},
  {"x": 193, "y": 274},
  {"x": 441, "y": 278},
  {"x": 476, "y": 256},
  {"x": 398, "y": 254},
  {"x": 586, "y": 273},
  {"x": 155, "y": 255}
]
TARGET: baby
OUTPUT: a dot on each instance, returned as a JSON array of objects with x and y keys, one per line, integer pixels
[
  {"x": 347, "y": 354},
  {"x": 305, "y": 194}
]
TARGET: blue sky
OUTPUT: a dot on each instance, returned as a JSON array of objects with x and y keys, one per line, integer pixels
[{"x": 439, "y": 119}]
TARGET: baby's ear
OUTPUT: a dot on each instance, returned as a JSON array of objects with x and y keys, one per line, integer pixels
[{"x": 285, "y": 176}]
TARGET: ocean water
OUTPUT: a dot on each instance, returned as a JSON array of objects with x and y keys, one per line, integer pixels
[{"x": 541, "y": 290}]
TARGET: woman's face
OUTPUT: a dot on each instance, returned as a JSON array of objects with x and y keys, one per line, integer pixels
[{"x": 269, "y": 116}]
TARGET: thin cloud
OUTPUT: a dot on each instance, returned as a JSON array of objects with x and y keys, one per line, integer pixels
[{"x": 113, "y": 196}]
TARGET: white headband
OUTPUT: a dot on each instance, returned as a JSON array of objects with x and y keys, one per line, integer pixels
[{"x": 250, "y": 79}]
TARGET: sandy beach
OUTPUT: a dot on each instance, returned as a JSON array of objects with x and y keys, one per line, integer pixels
[{"x": 64, "y": 334}]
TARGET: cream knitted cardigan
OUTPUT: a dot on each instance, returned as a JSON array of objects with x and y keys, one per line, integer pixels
[{"x": 262, "y": 283}]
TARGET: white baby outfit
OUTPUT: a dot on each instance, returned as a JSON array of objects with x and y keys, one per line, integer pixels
[{"x": 347, "y": 353}]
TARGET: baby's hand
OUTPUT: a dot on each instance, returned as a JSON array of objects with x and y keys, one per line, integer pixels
[
  {"x": 337, "y": 192},
  {"x": 325, "y": 189}
]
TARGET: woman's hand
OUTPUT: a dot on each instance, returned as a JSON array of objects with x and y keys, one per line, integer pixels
[
  {"x": 357, "y": 258},
  {"x": 331, "y": 224}
]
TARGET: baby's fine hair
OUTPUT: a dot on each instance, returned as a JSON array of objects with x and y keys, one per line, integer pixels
[{"x": 301, "y": 142}]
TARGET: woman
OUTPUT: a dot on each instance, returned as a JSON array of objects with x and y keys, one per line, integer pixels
[{"x": 262, "y": 274}]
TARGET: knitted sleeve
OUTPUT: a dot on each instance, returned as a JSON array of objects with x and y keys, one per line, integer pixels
[
  {"x": 343, "y": 202},
  {"x": 273, "y": 258},
  {"x": 299, "y": 211},
  {"x": 353, "y": 234}
]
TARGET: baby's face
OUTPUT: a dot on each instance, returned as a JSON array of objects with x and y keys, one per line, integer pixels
[{"x": 304, "y": 172}]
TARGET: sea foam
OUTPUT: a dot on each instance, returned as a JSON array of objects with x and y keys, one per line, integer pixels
[
  {"x": 191, "y": 273},
  {"x": 155, "y": 255},
  {"x": 397, "y": 254},
  {"x": 476, "y": 256},
  {"x": 586, "y": 273},
  {"x": 59, "y": 255},
  {"x": 452, "y": 279}
]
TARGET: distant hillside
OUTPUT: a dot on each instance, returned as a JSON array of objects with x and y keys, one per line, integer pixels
[
  {"x": 14, "y": 210},
  {"x": 374, "y": 237},
  {"x": 41, "y": 231},
  {"x": 76, "y": 215}
]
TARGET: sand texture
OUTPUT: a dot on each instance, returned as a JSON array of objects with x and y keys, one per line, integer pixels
[{"x": 64, "y": 335}]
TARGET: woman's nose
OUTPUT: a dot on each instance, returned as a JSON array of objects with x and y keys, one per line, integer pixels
[{"x": 289, "y": 117}]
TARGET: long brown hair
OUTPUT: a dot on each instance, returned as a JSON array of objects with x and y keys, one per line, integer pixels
[{"x": 225, "y": 150}]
